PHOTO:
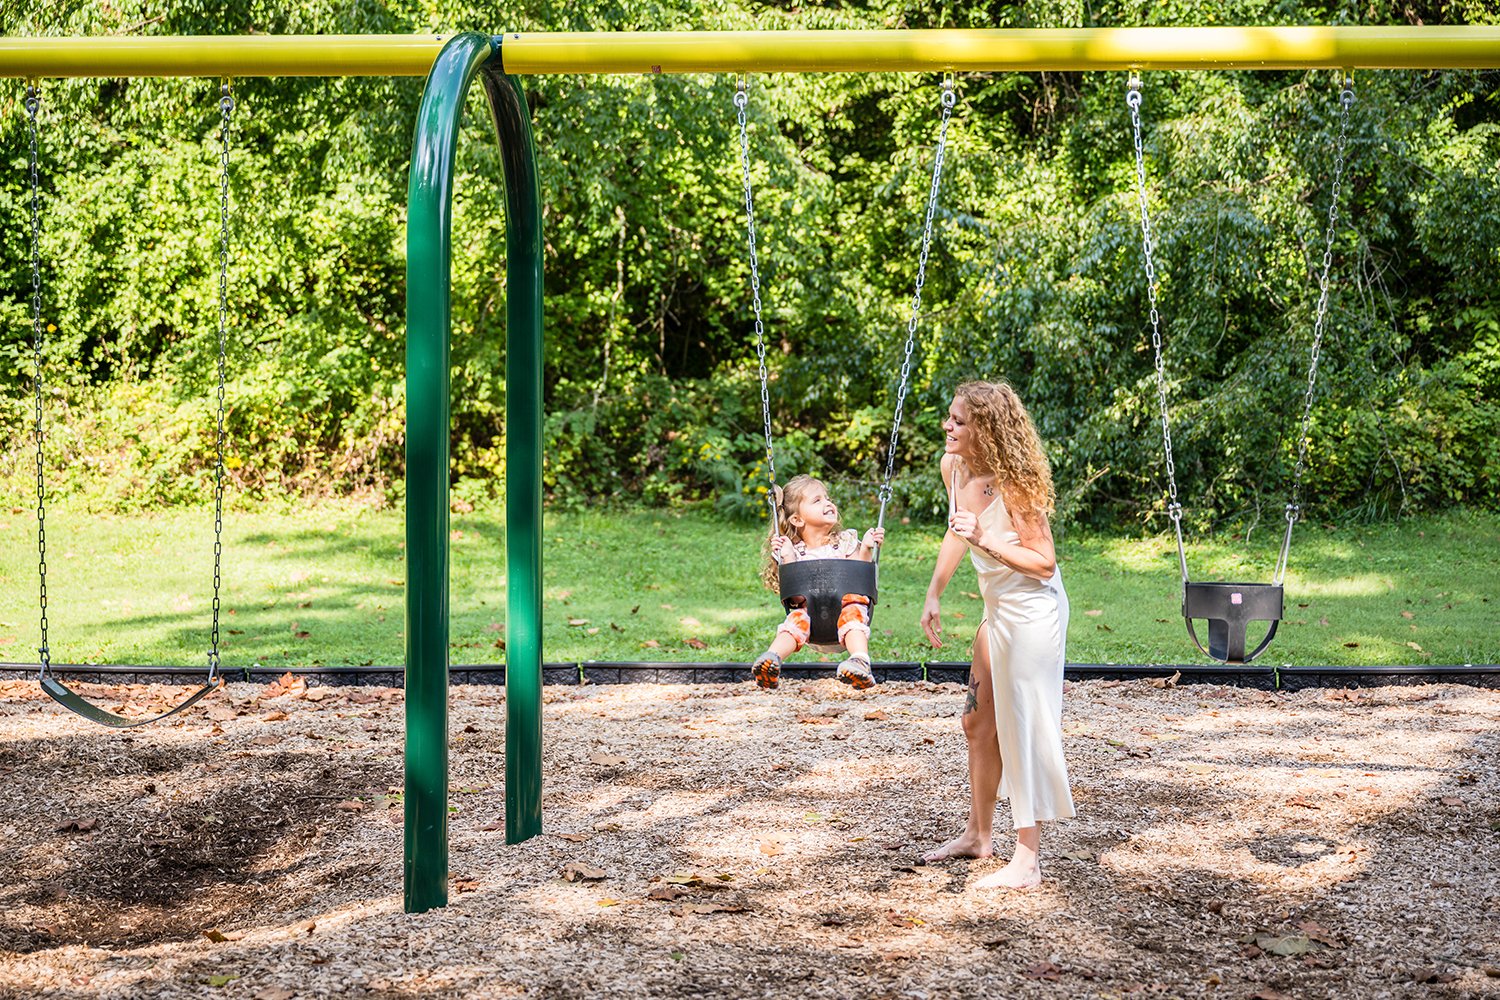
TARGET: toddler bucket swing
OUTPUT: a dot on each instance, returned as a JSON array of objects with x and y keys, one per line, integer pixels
[
  {"x": 818, "y": 585},
  {"x": 1230, "y": 607},
  {"x": 54, "y": 687}
]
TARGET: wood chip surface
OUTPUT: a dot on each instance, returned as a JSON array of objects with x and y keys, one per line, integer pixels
[{"x": 721, "y": 841}]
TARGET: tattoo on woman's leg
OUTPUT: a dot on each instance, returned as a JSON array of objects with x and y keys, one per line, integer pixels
[{"x": 971, "y": 701}]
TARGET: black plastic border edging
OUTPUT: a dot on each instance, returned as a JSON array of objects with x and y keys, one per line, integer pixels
[{"x": 662, "y": 672}]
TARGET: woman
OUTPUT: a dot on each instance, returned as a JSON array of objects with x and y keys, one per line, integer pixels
[{"x": 999, "y": 496}]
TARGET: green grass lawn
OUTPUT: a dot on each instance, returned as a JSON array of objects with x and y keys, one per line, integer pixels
[{"x": 323, "y": 585}]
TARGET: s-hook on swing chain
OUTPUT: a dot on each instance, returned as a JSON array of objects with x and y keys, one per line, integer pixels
[
  {"x": 1294, "y": 506},
  {"x": 741, "y": 102},
  {"x": 226, "y": 105},
  {"x": 33, "y": 107}
]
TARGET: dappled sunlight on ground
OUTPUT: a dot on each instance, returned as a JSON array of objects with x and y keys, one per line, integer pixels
[{"x": 722, "y": 840}]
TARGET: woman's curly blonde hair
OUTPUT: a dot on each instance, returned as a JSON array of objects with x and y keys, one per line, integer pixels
[
  {"x": 789, "y": 498},
  {"x": 1007, "y": 444}
]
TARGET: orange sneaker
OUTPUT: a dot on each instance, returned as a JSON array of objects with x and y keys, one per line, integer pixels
[
  {"x": 767, "y": 671},
  {"x": 855, "y": 671}
]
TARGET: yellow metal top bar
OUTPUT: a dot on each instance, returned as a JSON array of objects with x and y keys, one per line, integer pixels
[
  {"x": 1003, "y": 49},
  {"x": 220, "y": 55},
  {"x": 769, "y": 51}
]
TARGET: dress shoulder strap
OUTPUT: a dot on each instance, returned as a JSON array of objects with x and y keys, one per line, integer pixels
[{"x": 957, "y": 482}]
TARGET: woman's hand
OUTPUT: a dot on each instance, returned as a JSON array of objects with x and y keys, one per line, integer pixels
[
  {"x": 873, "y": 538},
  {"x": 932, "y": 622},
  {"x": 782, "y": 549},
  {"x": 965, "y": 524}
]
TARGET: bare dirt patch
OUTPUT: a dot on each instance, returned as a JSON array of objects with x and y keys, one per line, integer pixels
[{"x": 717, "y": 840}]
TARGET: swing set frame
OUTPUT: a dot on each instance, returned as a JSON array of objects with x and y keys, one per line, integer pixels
[{"x": 451, "y": 63}]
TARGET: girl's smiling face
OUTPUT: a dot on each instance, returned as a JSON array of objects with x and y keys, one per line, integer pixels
[
  {"x": 958, "y": 435},
  {"x": 816, "y": 510}
]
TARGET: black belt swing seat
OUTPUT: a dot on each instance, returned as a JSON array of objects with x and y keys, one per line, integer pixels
[
  {"x": 1229, "y": 608},
  {"x": 50, "y": 684},
  {"x": 819, "y": 585}
]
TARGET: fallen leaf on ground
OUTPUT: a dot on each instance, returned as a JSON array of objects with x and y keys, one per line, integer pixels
[
  {"x": 576, "y": 838},
  {"x": 79, "y": 826},
  {"x": 219, "y": 937},
  {"x": 772, "y": 846},
  {"x": 695, "y": 642},
  {"x": 667, "y": 892},
  {"x": 607, "y": 760},
  {"x": 575, "y": 872},
  {"x": 1279, "y": 944},
  {"x": 878, "y": 715},
  {"x": 689, "y": 908},
  {"x": 286, "y": 684},
  {"x": 1043, "y": 971},
  {"x": 1318, "y": 932}
]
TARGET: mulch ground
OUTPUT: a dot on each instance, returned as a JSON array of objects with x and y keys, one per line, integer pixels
[{"x": 720, "y": 841}]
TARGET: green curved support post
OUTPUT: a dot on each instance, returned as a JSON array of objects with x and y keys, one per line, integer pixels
[{"x": 428, "y": 246}]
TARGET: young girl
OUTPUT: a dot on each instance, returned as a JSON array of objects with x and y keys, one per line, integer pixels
[{"x": 807, "y": 527}]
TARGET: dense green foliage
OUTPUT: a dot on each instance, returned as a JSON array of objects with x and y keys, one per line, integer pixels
[{"x": 1035, "y": 272}]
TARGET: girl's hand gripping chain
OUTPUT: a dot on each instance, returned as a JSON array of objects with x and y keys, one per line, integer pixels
[{"x": 783, "y": 550}]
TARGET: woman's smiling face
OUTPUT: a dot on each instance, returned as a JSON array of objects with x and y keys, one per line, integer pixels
[{"x": 958, "y": 435}]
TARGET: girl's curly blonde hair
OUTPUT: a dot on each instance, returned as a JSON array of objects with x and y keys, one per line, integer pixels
[
  {"x": 788, "y": 499},
  {"x": 1007, "y": 444}
]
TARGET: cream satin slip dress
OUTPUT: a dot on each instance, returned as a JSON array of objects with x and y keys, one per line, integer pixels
[{"x": 1028, "y": 627}]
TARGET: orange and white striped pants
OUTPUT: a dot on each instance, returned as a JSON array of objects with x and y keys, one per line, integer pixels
[{"x": 854, "y": 615}]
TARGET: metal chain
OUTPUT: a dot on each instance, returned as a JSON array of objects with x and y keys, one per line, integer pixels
[
  {"x": 226, "y": 105},
  {"x": 1294, "y": 506},
  {"x": 1148, "y": 248},
  {"x": 33, "y": 107},
  {"x": 741, "y": 102},
  {"x": 949, "y": 98}
]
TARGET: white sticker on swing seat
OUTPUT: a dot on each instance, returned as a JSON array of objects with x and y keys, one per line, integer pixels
[{"x": 1236, "y": 598}]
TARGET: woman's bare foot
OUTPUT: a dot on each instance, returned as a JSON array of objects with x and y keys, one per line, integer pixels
[
  {"x": 1019, "y": 874},
  {"x": 965, "y": 845}
]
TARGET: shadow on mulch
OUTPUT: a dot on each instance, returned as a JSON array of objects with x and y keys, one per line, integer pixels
[{"x": 166, "y": 842}]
